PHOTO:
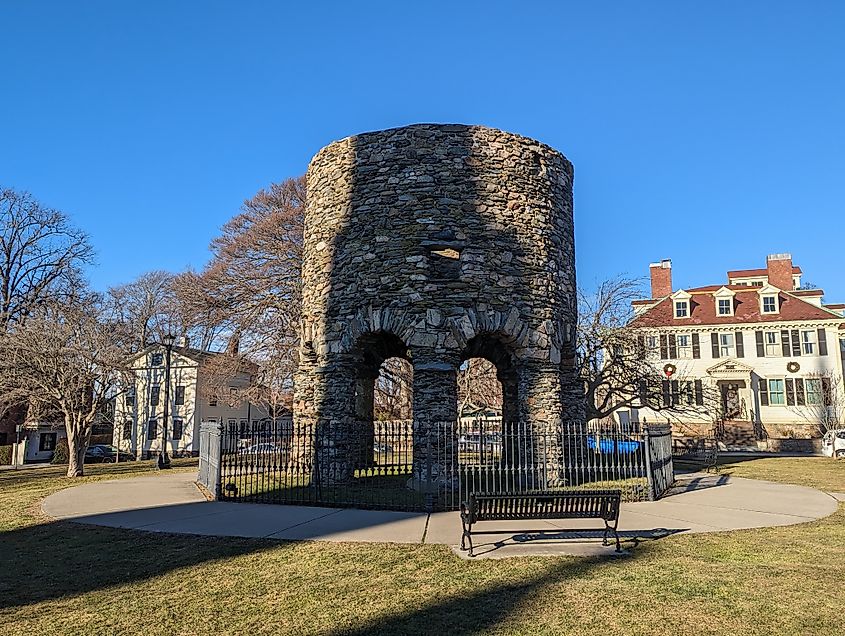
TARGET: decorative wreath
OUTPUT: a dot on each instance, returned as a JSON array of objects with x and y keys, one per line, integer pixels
[
  {"x": 793, "y": 367},
  {"x": 669, "y": 370}
]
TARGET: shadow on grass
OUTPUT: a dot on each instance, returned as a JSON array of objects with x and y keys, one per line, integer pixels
[
  {"x": 487, "y": 608},
  {"x": 60, "y": 559}
]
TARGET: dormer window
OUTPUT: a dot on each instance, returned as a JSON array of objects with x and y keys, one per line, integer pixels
[
  {"x": 725, "y": 306},
  {"x": 769, "y": 300},
  {"x": 770, "y": 304},
  {"x": 156, "y": 359},
  {"x": 681, "y": 308}
]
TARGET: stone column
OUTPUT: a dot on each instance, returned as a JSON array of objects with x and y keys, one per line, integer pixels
[
  {"x": 334, "y": 436},
  {"x": 365, "y": 428},
  {"x": 435, "y": 412},
  {"x": 540, "y": 411},
  {"x": 511, "y": 426}
]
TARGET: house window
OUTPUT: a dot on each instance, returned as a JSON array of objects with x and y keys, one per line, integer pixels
[
  {"x": 155, "y": 391},
  {"x": 127, "y": 429},
  {"x": 684, "y": 346},
  {"x": 178, "y": 426},
  {"x": 725, "y": 306},
  {"x": 156, "y": 359},
  {"x": 772, "y": 342},
  {"x": 130, "y": 396},
  {"x": 770, "y": 304},
  {"x": 757, "y": 283},
  {"x": 180, "y": 395},
  {"x": 652, "y": 346},
  {"x": 808, "y": 343},
  {"x": 776, "y": 394},
  {"x": 47, "y": 442},
  {"x": 212, "y": 401},
  {"x": 813, "y": 388},
  {"x": 152, "y": 428},
  {"x": 726, "y": 345},
  {"x": 681, "y": 309}
]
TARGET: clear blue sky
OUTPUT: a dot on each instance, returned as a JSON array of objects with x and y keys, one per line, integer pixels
[{"x": 709, "y": 132}]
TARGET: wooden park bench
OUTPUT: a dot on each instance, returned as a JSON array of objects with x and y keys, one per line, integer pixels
[{"x": 558, "y": 504}]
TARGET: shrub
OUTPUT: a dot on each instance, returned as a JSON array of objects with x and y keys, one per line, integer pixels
[
  {"x": 61, "y": 453},
  {"x": 5, "y": 455}
]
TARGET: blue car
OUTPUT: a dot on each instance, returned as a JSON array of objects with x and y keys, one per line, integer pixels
[{"x": 609, "y": 445}]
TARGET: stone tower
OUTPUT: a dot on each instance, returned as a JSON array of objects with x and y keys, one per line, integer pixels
[{"x": 435, "y": 243}]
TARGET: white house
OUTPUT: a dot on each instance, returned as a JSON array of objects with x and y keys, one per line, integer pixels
[
  {"x": 195, "y": 397},
  {"x": 770, "y": 351}
]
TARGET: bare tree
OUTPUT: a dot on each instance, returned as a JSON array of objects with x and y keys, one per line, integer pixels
[
  {"x": 65, "y": 360},
  {"x": 393, "y": 390},
  {"x": 478, "y": 386},
  {"x": 249, "y": 293},
  {"x": 820, "y": 401},
  {"x": 145, "y": 304},
  {"x": 40, "y": 255},
  {"x": 616, "y": 370}
]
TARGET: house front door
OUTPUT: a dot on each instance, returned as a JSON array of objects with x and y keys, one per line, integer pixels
[{"x": 731, "y": 404}]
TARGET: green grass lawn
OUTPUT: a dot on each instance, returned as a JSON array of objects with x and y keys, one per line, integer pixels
[{"x": 61, "y": 578}]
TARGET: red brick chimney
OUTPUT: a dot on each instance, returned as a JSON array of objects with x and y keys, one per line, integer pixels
[
  {"x": 661, "y": 278},
  {"x": 779, "y": 267}
]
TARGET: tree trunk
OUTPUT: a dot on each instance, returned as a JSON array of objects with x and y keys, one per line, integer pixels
[{"x": 77, "y": 444}]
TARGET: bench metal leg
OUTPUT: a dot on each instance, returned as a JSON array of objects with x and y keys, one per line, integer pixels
[
  {"x": 608, "y": 529},
  {"x": 466, "y": 537}
]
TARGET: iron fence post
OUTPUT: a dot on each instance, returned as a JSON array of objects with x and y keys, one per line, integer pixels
[{"x": 648, "y": 467}]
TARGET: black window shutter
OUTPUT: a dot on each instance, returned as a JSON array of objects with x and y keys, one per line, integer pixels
[
  {"x": 822, "y": 342},
  {"x": 764, "y": 392},
  {"x": 667, "y": 397},
  {"x": 714, "y": 342},
  {"x": 696, "y": 346},
  {"x": 644, "y": 392},
  {"x": 673, "y": 347},
  {"x": 699, "y": 393},
  {"x": 740, "y": 345},
  {"x": 784, "y": 343},
  {"x": 676, "y": 392},
  {"x": 827, "y": 397},
  {"x": 641, "y": 345},
  {"x": 796, "y": 343},
  {"x": 664, "y": 347},
  {"x": 800, "y": 398},
  {"x": 790, "y": 392},
  {"x": 761, "y": 348}
]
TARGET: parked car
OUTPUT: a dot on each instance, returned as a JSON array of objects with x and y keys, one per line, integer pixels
[
  {"x": 473, "y": 443},
  {"x": 833, "y": 443},
  {"x": 610, "y": 445},
  {"x": 265, "y": 448},
  {"x": 106, "y": 454}
]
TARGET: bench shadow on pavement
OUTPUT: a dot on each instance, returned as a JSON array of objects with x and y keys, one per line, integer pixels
[{"x": 572, "y": 537}]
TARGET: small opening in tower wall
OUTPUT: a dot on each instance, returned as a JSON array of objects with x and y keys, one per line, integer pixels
[{"x": 445, "y": 262}]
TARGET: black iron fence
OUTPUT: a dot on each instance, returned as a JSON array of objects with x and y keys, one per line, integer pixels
[{"x": 402, "y": 465}]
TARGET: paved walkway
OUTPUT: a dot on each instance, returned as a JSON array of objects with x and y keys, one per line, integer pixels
[{"x": 699, "y": 503}]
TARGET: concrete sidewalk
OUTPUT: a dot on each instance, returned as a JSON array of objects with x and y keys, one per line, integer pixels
[{"x": 698, "y": 503}]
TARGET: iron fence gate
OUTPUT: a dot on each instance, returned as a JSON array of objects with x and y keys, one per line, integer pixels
[{"x": 402, "y": 465}]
